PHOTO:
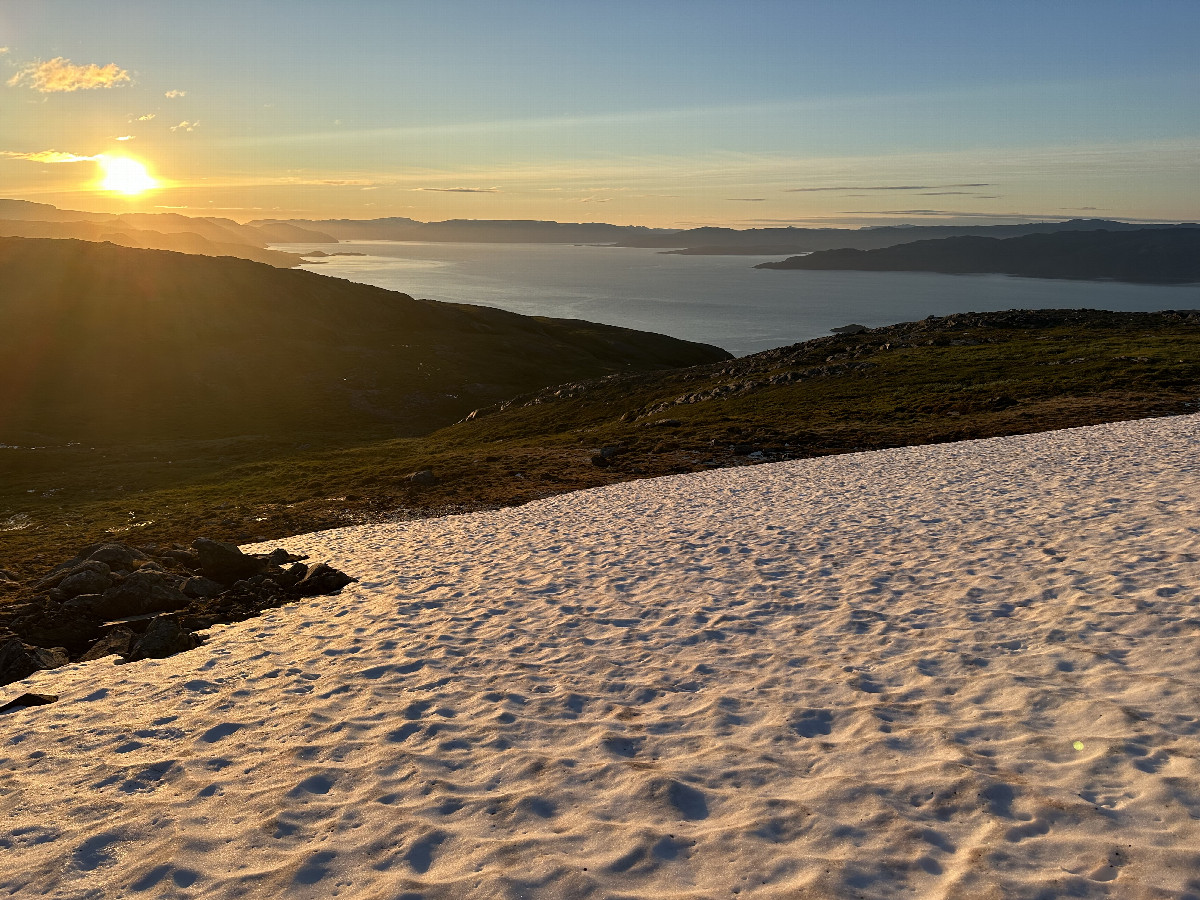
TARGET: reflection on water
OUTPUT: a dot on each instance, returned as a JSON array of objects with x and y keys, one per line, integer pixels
[{"x": 719, "y": 300}]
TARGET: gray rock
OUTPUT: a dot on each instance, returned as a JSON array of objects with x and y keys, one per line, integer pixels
[
  {"x": 140, "y": 593},
  {"x": 61, "y": 573},
  {"x": 201, "y": 587},
  {"x": 164, "y": 637},
  {"x": 604, "y": 456},
  {"x": 83, "y": 604},
  {"x": 87, "y": 581},
  {"x": 117, "y": 556},
  {"x": 279, "y": 556},
  {"x": 28, "y": 700},
  {"x": 322, "y": 579},
  {"x": 118, "y": 641},
  {"x": 225, "y": 562},
  {"x": 424, "y": 478},
  {"x": 19, "y": 660}
]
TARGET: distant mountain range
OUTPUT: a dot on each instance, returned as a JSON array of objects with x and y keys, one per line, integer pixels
[
  {"x": 484, "y": 231},
  {"x": 773, "y": 241},
  {"x": 215, "y": 236},
  {"x": 103, "y": 343},
  {"x": 1153, "y": 256},
  {"x": 203, "y": 235}
]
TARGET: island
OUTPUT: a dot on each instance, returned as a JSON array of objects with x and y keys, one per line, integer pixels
[{"x": 1147, "y": 256}]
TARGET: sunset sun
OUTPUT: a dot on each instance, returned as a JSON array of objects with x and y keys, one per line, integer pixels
[{"x": 124, "y": 175}]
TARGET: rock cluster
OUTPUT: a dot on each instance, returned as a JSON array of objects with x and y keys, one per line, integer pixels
[{"x": 115, "y": 599}]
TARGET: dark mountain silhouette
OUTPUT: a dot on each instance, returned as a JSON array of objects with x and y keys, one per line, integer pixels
[
  {"x": 106, "y": 343},
  {"x": 1154, "y": 256},
  {"x": 772, "y": 241}
]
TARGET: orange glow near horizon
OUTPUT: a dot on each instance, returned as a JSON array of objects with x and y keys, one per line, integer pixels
[{"x": 123, "y": 175}]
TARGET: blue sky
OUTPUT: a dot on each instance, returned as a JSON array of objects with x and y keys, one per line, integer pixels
[{"x": 657, "y": 113}]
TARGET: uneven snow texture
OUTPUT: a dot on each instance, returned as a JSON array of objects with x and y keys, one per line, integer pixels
[{"x": 861, "y": 676}]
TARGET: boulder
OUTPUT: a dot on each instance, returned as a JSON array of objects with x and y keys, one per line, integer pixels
[
  {"x": 61, "y": 573},
  {"x": 140, "y": 593},
  {"x": 279, "y": 557},
  {"x": 19, "y": 660},
  {"x": 45, "y": 623},
  {"x": 118, "y": 641},
  {"x": 202, "y": 588},
  {"x": 225, "y": 562},
  {"x": 424, "y": 478},
  {"x": 86, "y": 581},
  {"x": 28, "y": 700},
  {"x": 164, "y": 637},
  {"x": 185, "y": 558},
  {"x": 117, "y": 556},
  {"x": 321, "y": 579}
]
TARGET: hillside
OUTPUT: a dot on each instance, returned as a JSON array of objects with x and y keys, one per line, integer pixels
[
  {"x": 100, "y": 343},
  {"x": 1151, "y": 256},
  {"x": 940, "y": 379},
  {"x": 203, "y": 235}
]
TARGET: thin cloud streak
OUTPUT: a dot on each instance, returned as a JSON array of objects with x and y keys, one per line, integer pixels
[
  {"x": 890, "y": 187},
  {"x": 48, "y": 156},
  {"x": 460, "y": 190}
]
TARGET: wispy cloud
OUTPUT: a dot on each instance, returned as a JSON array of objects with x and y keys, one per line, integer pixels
[
  {"x": 47, "y": 156},
  {"x": 593, "y": 199},
  {"x": 747, "y": 199},
  {"x": 60, "y": 75},
  {"x": 146, "y": 118},
  {"x": 185, "y": 126},
  {"x": 884, "y": 187},
  {"x": 125, "y": 137},
  {"x": 3, "y": 50},
  {"x": 969, "y": 214},
  {"x": 460, "y": 190},
  {"x": 174, "y": 95}
]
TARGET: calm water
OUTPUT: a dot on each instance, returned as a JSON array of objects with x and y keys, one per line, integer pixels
[{"x": 719, "y": 300}]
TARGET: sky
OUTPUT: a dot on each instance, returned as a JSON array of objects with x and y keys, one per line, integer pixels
[{"x": 663, "y": 113}]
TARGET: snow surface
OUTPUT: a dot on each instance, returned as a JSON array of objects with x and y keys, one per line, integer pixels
[{"x": 966, "y": 670}]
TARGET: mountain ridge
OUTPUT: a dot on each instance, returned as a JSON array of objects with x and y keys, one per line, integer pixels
[{"x": 1147, "y": 256}]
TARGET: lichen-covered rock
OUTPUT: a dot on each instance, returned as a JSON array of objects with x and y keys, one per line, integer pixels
[
  {"x": 20, "y": 660},
  {"x": 200, "y": 587},
  {"x": 117, "y": 641},
  {"x": 322, "y": 579},
  {"x": 225, "y": 562},
  {"x": 140, "y": 593},
  {"x": 88, "y": 580},
  {"x": 164, "y": 637},
  {"x": 118, "y": 556}
]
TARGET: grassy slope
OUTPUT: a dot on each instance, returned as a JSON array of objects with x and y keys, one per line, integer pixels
[{"x": 938, "y": 380}]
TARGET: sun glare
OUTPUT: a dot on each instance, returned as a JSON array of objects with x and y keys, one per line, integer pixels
[{"x": 124, "y": 175}]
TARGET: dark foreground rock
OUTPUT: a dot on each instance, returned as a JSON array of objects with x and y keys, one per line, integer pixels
[
  {"x": 111, "y": 599},
  {"x": 28, "y": 700}
]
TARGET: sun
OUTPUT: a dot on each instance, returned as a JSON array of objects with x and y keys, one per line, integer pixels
[{"x": 123, "y": 175}]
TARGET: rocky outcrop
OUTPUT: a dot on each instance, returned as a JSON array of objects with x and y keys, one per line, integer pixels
[{"x": 112, "y": 599}]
